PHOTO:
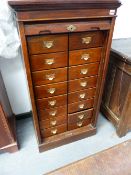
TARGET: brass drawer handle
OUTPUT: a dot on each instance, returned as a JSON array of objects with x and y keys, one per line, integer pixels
[
  {"x": 79, "y": 124},
  {"x": 81, "y": 106},
  {"x": 54, "y": 131},
  {"x": 50, "y": 77},
  {"x": 53, "y": 113},
  {"x": 53, "y": 122},
  {"x": 51, "y": 90},
  {"x": 49, "y": 61},
  {"x": 52, "y": 103},
  {"x": 48, "y": 44},
  {"x": 81, "y": 116},
  {"x": 85, "y": 57},
  {"x": 71, "y": 28},
  {"x": 83, "y": 84},
  {"x": 84, "y": 71},
  {"x": 82, "y": 96},
  {"x": 86, "y": 40}
]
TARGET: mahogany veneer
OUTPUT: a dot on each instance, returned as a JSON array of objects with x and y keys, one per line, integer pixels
[{"x": 66, "y": 48}]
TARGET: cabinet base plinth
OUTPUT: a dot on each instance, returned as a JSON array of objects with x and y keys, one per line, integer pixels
[{"x": 67, "y": 137}]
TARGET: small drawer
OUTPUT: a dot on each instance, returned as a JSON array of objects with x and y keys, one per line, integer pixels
[
  {"x": 83, "y": 83},
  {"x": 52, "y": 122},
  {"x": 80, "y": 116},
  {"x": 51, "y": 102},
  {"x": 86, "y": 70},
  {"x": 86, "y": 40},
  {"x": 81, "y": 95},
  {"x": 84, "y": 56},
  {"x": 50, "y": 90},
  {"x": 47, "y": 43},
  {"x": 53, "y": 131},
  {"x": 79, "y": 106},
  {"x": 79, "y": 124},
  {"x": 49, "y": 76},
  {"x": 53, "y": 112},
  {"x": 48, "y": 61}
]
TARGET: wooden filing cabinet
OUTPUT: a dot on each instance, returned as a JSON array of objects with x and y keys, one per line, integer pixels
[{"x": 66, "y": 47}]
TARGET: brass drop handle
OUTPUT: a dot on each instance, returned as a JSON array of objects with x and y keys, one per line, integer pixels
[
  {"x": 53, "y": 113},
  {"x": 52, "y": 103},
  {"x": 81, "y": 116},
  {"x": 79, "y": 124},
  {"x": 71, "y": 28},
  {"x": 54, "y": 131},
  {"x": 85, "y": 57},
  {"x": 50, "y": 77},
  {"x": 49, "y": 61},
  {"x": 84, "y": 71},
  {"x": 48, "y": 44},
  {"x": 81, "y": 106},
  {"x": 83, "y": 84},
  {"x": 53, "y": 122},
  {"x": 86, "y": 40},
  {"x": 82, "y": 96},
  {"x": 51, "y": 90}
]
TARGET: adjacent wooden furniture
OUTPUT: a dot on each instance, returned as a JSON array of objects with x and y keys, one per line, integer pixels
[
  {"x": 116, "y": 103},
  {"x": 7, "y": 122},
  {"x": 66, "y": 47},
  {"x": 115, "y": 160}
]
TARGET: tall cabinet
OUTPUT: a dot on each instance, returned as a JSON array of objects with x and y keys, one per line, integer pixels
[{"x": 66, "y": 48}]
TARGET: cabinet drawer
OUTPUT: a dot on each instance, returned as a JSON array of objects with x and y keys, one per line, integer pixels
[
  {"x": 76, "y": 72},
  {"x": 80, "y": 116},
  {"x": 86, "y": 40},
  {"x": 50, "y": 102},
  {"x": 48, "y": 61},
  {"x": 81, "y": 95},
  {"x": 52, "y": 122},
  {"x": 79, "y": 124},
  {"x": 51, "y": 90},
  {"x": 83, "y": 83},
  {"x": 79, "y": 106},
  {"x": 49, "y": 76},
  {"x": 53, "y": 131},
  {"x": 53, "y": 112},
  {"x": 84, "y": 56},
  {"x": 47, "y": 43}
]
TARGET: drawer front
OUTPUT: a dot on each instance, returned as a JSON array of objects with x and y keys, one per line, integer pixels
[
  {"x": 53, "y": 112},
  {"x": 49, "y": 76},
  {"x": 79, "y": 124},
  {"x": 51, "y": 90},
  {"x": 84, "y": 56},
  {"x": 80, "y": 116},
  {"x": 48, "y": 61},
  {"x": 83, "y": 83},
  {"x": 53, "y": 131},
  {"x": 79, "y": 106},
  {"x": 52, "y": 122},
  {"x": 83, "y": 71},
  {"x": 81, "y": 95},
  {"x": 85, "y": 40},
  {"x": 52, "y": 102},
  {"x": 63, "y": 27},
  {"x": 47, "y": 43}
]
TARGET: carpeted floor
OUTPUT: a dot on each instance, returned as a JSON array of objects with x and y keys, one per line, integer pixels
[{"x": 28, "y": 161}]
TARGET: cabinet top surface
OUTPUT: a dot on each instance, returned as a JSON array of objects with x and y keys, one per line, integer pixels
[
  {"x": 123, "y": 48},
  {"x": 63, "y": 4}
]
